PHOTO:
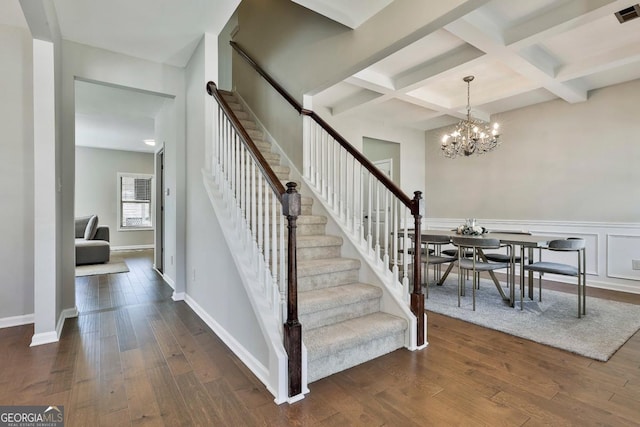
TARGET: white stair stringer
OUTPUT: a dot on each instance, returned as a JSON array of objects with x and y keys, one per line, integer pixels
[
  {"x": 275, "y": 375},
  {"x": 344, "y": 322}
]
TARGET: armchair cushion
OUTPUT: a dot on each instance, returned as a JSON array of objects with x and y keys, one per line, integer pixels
[{"x": 90, "y": 229}]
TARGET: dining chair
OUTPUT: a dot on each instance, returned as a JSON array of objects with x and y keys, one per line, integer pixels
[
  {"x": 475, "y": 264},
  {"x": 510, "y": 257},
  {"x": 434, "y": 257},
  {"x": 573, "y": 244}
]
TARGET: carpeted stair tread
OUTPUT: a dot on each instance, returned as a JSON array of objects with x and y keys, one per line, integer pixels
[
  {"x": 327, "y": 265},
  {"x": 331, "y": 339},
  {"x": 327, "y": 298}
]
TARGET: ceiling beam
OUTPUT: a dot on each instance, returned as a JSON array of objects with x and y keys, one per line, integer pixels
[
  {"x": 560, "y": 19},
  {"x": 490, "y": 41}
]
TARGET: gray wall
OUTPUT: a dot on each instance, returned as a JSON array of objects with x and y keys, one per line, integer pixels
[
  {"x": 557, "y": 161},
  {"x": 376, "y": 149},
  {"x": 97, "y": 189},
  {"x": 16, "y": 173},
  {"x": 306, "y": 52},
  {"x": 213, "y": 281}
]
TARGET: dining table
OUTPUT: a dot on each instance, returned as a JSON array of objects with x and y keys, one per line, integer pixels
[{"x": 515, "y": 239}]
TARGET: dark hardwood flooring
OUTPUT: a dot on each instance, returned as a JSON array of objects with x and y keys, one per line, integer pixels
[{"x": 135, "y": 357}]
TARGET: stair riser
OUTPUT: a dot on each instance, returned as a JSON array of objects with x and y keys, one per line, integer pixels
[
  {"x": 353, "y": 356},
  {"x": 318, "y": 281},
  {"x": 320, "y": 252},
  {"x": 302, "y": 229},
  {"x": 255, "y": 134},
  {"x": 311, "y": 229},
  {"x": 339, "y": 314},
  {"x": 248, "y": 124}
]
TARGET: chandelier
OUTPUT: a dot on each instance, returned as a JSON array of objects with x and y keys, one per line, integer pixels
[{"x": 470, "y": 136}]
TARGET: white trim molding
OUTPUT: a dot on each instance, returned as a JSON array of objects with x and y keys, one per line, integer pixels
[
  {"x": 9, "y": 322},
  {"x": 132, "y": 247},
  {"x": 54, "y": 336}
]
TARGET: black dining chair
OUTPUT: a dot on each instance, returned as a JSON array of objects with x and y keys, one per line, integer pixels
[
  {"x": 577, "y": 245},
  {"x": 475, "y": 264}
]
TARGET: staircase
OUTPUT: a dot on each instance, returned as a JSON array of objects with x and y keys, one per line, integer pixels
[{"x": 342, "y": 325}]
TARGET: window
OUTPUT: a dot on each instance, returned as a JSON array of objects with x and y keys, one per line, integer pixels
[{"x": 135, "y": 203}]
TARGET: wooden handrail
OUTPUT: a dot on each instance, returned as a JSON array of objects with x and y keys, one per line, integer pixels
[
  {"x": 382, "y": 178},
  {"x": 269, "y": 174},
  {"x": 414, "y": 205},
  {"x": 286, "y": 95}
]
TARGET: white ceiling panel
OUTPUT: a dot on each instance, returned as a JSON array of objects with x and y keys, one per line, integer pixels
[{"x": 520, "y": 52}]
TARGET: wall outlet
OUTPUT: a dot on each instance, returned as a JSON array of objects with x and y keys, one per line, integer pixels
[
  {"x": 171, "y": 259},
  {"x": 635, "y": 264},
  {"x": 194, "y": 274}
]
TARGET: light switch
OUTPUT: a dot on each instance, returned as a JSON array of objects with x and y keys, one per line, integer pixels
[{"x": 635, "y": 264}]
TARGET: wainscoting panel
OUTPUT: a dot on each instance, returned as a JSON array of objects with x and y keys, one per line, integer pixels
[
  {"x": 610, "y": 247},
  {"x": 622, "y": 249}
]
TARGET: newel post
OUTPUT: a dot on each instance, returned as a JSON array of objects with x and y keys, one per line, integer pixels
[
  {"x": 291, "y": 208},
  {"x": 417, "y": 298}
]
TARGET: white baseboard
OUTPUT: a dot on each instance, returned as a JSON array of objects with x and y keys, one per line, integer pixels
[
  {"x": 8, "y": 322},
  {"x": 44, "y": 338},
  {"x": 178, "y": 296},
  {"x": 258, "y": 369},
  {"x": 169, "y": 281},
  {"x": 132, "y": 247},
  {"x": 54, "y": 336}
]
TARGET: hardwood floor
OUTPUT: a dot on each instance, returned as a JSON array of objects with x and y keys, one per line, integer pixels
[{"x": 135, "y": 357}]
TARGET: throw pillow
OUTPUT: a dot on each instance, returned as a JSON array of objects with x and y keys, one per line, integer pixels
[{"x": 92, "y": 227}]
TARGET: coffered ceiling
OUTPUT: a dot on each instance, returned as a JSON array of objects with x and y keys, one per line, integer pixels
[{"x": 520, "y": 52}]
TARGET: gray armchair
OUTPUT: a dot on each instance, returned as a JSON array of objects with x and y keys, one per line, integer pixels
[{"x": 92, "y": 241}]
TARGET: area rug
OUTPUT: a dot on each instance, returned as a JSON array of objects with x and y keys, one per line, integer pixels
[
  {"x": 554, "y": 321},
  {"x": 115, "y": 265}
]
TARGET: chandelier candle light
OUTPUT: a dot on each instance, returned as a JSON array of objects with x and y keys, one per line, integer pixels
[{"x": 470, "y": 136}]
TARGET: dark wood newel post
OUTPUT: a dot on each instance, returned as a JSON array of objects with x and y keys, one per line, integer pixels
[
  {"x": 417, "y": 298},
  {"x": 291, "y": 207}
]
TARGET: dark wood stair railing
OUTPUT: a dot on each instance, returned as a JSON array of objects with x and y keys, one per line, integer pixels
[
  {"x": 290, "y": 200},
  {"x": 415, "y": 204}
]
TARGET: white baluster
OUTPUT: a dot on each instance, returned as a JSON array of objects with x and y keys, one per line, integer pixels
[
  {"x": 260, "y": 219},
  {"x": 377, "y": 220},
  {"x": 283, "y": 272},
  {"x": 323, "y": 169},
  {"x": 275, "y": 205},
  {"x": 405, "y": 255},
  {"x": 306, "y": 145},
  {"x": 369, "y": 218},
  {"x": 267, "y": 239},
  {"x": 385, "y": 248},
  {"x": 396, "y": 231}
]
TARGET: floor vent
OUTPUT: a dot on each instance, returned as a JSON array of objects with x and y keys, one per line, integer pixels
[{"x": 629, "y": 13}]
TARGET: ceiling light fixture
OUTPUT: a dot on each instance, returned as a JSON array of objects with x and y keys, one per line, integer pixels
[
  {"x": 151, "y": 142},
  {"x": 470, "y": 136}
]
